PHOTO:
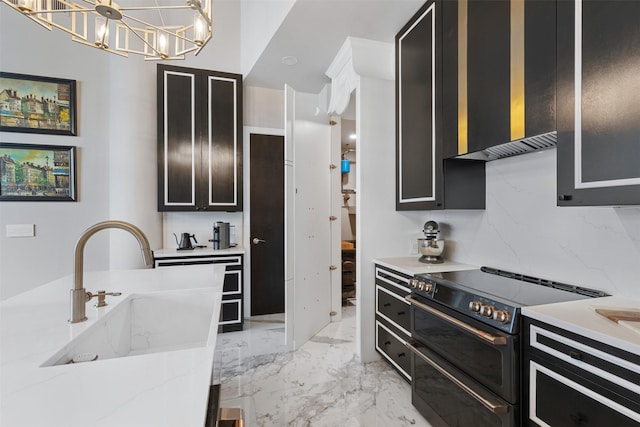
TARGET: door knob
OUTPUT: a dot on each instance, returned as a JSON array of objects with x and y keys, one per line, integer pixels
[{"x": 255, "y": 241}]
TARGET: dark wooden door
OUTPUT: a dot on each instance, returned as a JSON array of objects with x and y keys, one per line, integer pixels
[{"x": 267, "y": 224}]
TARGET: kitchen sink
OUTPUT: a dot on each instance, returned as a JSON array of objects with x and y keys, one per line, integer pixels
[{"x": 143, "y": 324}]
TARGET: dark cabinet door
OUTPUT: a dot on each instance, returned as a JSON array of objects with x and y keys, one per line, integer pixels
[
  {"x": 199, "y": 140},
  {"x": 418, "y": 146},
  {"x": 423, "y": 180},
  {"x": 598, "y": 108}
]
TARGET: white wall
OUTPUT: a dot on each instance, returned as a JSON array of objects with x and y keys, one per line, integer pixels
[
  {"x": 116, "y": 151},
  {"x": 31, "y": 261}
]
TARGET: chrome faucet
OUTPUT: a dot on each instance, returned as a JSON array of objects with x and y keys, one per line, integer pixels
[{"x": 79, "y": 295}]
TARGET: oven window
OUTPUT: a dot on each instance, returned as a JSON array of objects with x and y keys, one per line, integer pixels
[
  {"x": 485, "y": 362},
  {"x": 450, "y": 403}
]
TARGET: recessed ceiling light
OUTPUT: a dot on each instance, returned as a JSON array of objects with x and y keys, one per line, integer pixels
[{"x": 289, "y": 60}]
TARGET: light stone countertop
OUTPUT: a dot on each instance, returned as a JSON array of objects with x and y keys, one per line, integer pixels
[
  {"x": 411, "y": 265},
  {"x": 208, "y": 251},
  {"x": 160, "y": 389},
  {"x": 580, "y": 317}
]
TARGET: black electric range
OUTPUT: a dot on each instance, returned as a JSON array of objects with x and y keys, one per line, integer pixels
[{"x": 495, "y": 296}]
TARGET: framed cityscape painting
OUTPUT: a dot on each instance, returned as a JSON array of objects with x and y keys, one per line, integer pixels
[
  {"x": 35, "y": 104},
  {"x": 31, "y": 172}
]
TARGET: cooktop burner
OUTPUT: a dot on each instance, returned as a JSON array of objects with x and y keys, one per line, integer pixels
[{"x": 495, "y": 296}]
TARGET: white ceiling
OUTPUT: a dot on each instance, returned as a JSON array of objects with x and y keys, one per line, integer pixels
[{"x": 314, "y": 31}]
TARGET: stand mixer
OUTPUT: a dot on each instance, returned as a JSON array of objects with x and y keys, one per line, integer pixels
[{"x": 431, "y": 247}]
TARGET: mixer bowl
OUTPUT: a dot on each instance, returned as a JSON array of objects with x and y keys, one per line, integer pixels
[{"x": 431, "y": 250}]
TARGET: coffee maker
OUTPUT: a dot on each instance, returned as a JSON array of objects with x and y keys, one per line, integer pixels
[
  {"x": 221, "y": 235},
  {"x": 431, "y": 246}
]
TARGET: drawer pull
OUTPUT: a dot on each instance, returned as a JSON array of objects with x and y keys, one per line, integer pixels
[
  {"x": 575, "y": 355},
  {"x": 578, "y": 419},
  {"x": 401, "y": 313},
  {"x": 386, "y": 304},
  {"x": 387, "y": 342},
  {"x": 401, "y": 354}
]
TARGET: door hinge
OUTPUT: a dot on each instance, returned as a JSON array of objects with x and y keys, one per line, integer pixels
[
  {"x": 333, "y": 122},
  {"x": 333, "y": 267},
  {"x": 333, "y": 313},
  {"x": 333, "y": 218},
  {"x": 332, "y": 166}
]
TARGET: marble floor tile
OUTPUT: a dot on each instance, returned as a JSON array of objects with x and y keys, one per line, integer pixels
[{"x": 320, "y": 384}]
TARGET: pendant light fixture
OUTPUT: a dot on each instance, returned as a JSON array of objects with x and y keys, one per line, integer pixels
[{"x": 157, "y": 32}]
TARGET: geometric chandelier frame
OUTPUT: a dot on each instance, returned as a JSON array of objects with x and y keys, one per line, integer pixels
[{"x": 96, "y": 22}]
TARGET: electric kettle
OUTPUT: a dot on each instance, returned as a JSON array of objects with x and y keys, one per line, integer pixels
[{"x": 185, "y": 241}]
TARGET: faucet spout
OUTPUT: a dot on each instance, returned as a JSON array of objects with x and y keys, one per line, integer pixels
[{"x": 79, "y": 295}]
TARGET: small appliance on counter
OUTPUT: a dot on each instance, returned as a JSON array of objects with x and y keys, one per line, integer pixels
[
  {"x": 185, "y": 241},
  {"x": 221, "y": 235},
  {"x": 431, "y": 246}
]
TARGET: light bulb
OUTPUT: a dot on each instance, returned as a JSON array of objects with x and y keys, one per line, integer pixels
[
  {"x": 199, "y": 29},
  {"x": 102, "y": 32},
  {"x": 27, "y": 5},
  {"x": 163, "y": 45}
]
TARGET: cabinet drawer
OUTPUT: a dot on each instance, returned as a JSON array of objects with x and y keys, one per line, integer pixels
[
  {"x": 230, "y": 311},
  {"x": 392, "y": 278},
  {"x": 393, "y": 308},
  {"x": 556, "y": 400},
  {"x": 391, "y": 347},
  {"x": 232, "y": 281},
  {"x": 624, "y": 372}
]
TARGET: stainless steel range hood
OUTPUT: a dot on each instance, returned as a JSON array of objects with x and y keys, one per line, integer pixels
[{"x": 514, "y": 148}]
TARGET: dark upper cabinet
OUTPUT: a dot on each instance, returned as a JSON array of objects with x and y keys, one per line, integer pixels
[
  {"x": 598, "y": 103},
  {"x": 424, "y": 180},
  {"x": 499, "y": 72},
  {"x": 199, "y": 140}
]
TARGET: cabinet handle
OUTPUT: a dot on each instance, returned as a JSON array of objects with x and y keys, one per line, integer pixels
[
  {"x": 401, "y": 313},
  {"x": 575, "y": 355},
  {"x": 387, "y": 342},
  {"x": 578, "y": 419},
  {"x": 401, "y": 354},
  {"x": 565, "y": 197},
  {"x": 386, "y": 304}
]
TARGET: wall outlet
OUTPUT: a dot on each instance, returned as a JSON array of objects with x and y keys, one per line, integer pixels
[
  {"x": 413, "y": 244},
  {"x": 20, "y": 230}
]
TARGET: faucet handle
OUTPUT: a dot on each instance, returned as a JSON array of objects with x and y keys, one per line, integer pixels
[{"x": 101, "y": 297}]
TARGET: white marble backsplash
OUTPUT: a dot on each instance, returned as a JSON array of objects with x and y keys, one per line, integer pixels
[{"x": 523, "y": 230}]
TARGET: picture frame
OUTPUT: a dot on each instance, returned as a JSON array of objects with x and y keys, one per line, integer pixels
[
  {"x": 33, "y": 172},
  {"x": 34, "y": 104}
]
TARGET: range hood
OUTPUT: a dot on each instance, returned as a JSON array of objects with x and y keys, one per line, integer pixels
[{"x": 514, "y": 148}]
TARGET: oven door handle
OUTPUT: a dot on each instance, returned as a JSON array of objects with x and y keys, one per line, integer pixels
[
  {"x": 493, "y": 339},
  {"x": 494, "y": 405}
]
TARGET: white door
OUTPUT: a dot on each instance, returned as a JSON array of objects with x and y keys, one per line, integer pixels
[{"x": 307, "y": 223}]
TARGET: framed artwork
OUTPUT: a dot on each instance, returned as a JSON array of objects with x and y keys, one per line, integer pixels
[
  {"x": 35, "y": 104},
  {"x": 30, "y": 172}
]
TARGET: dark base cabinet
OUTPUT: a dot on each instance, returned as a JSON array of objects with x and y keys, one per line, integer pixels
[
  {"x": 231, "y": 310},
  {"x": 393, "y": 319},
  {"x": 570, "y": 380}
]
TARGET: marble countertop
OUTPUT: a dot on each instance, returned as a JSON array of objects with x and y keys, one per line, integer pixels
[
  {"x": 580, "y": 317},
  {"x": 208, "y": 251},
  {"x": 159, "y": 389},
  {"x": 411, "y": 265}
]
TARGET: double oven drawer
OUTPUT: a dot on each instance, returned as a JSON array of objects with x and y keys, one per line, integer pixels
[
  {"x": 393, "y": 320},
  {"x": 573, "y": 380},
  {"x": 464, "y": 372}
]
